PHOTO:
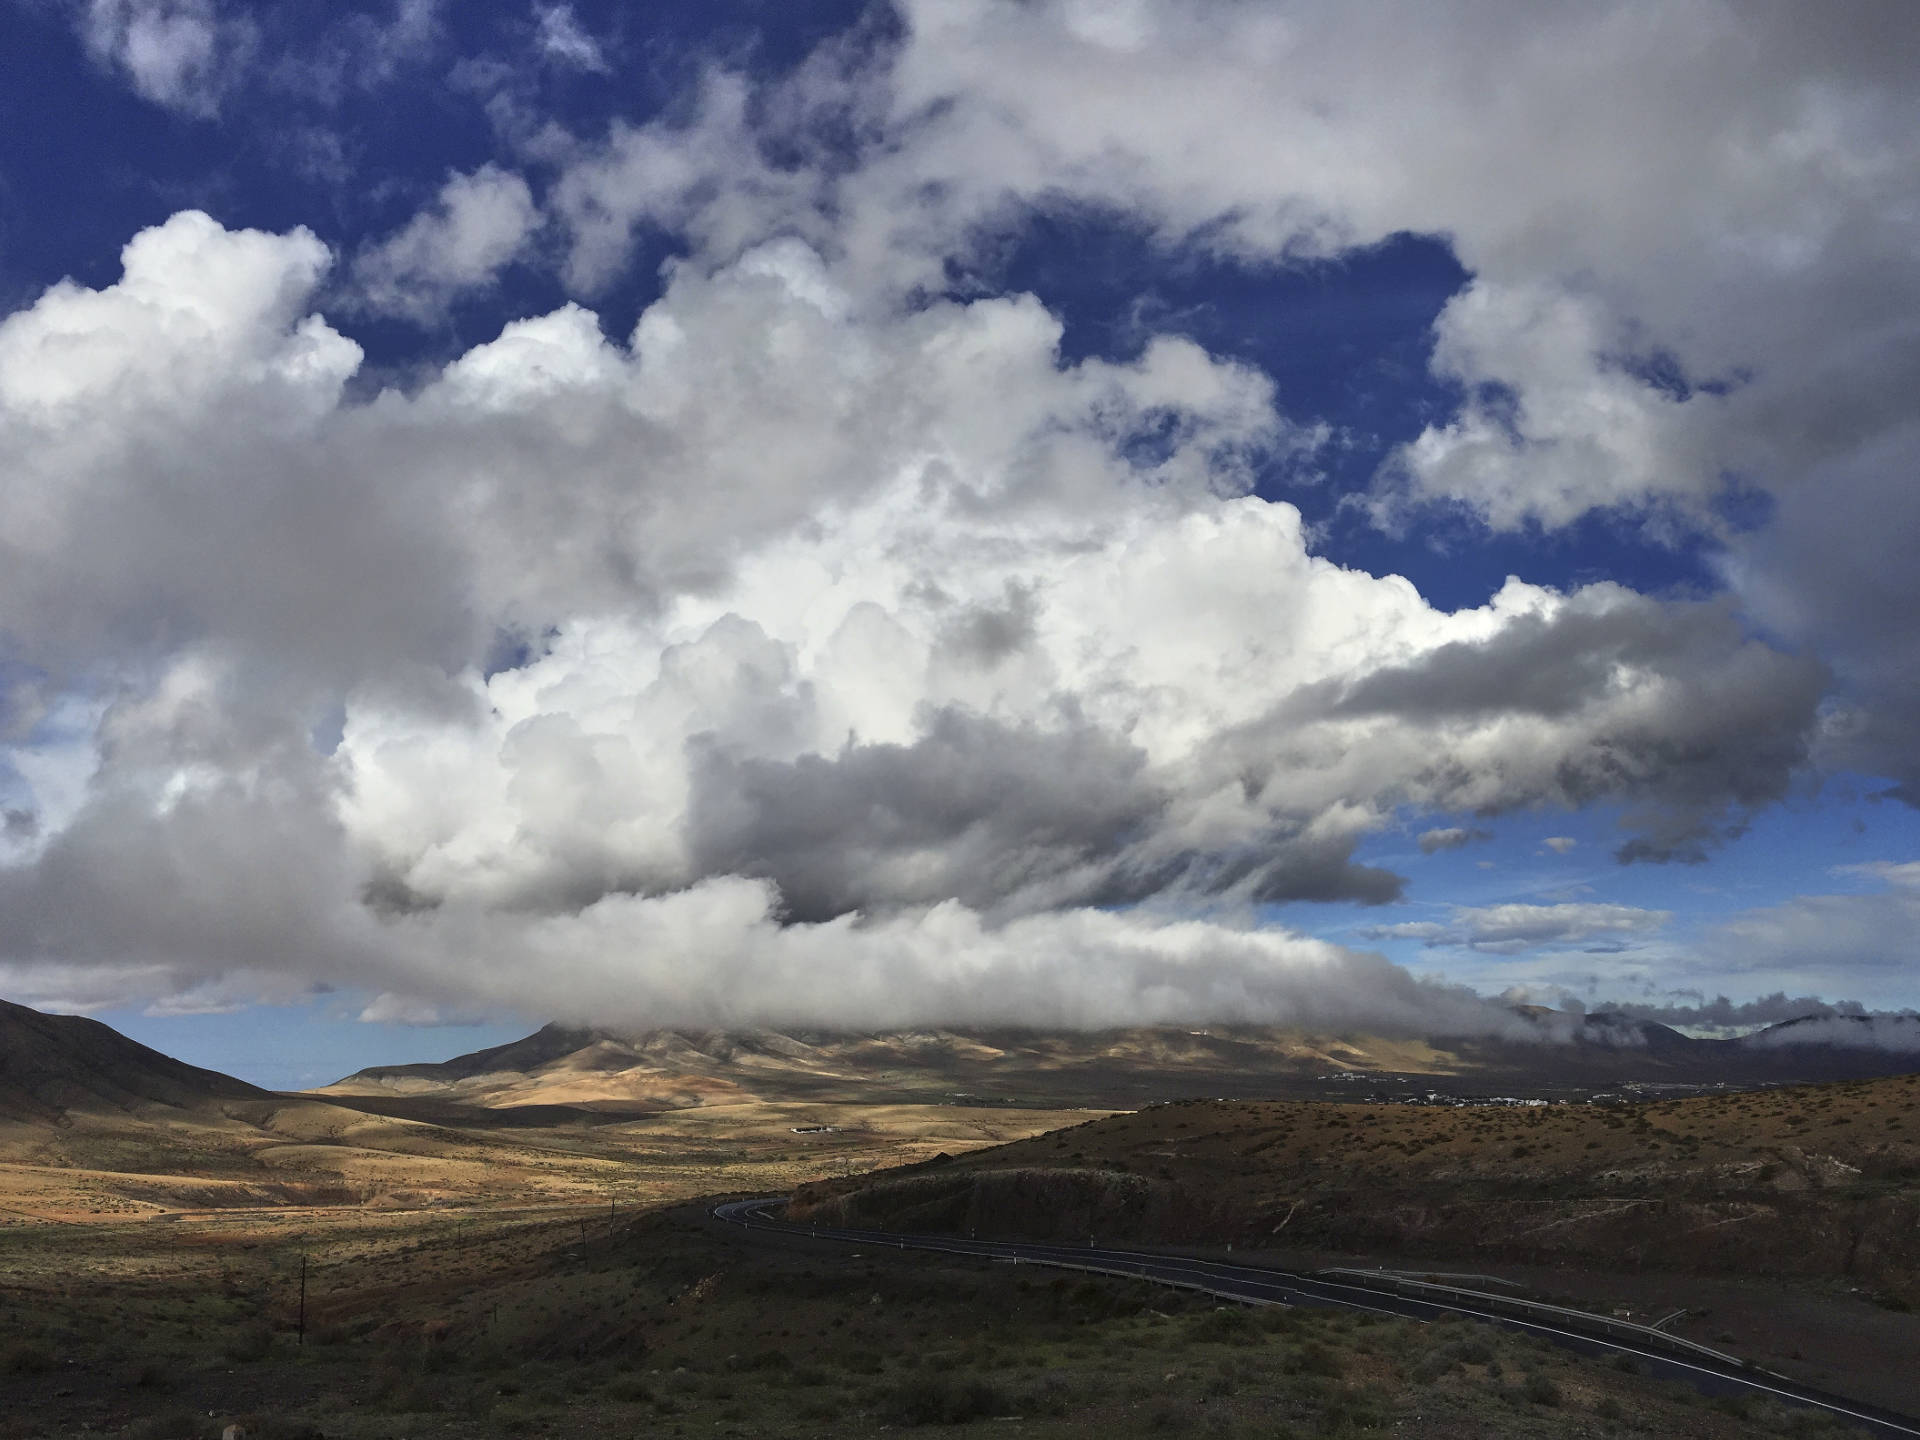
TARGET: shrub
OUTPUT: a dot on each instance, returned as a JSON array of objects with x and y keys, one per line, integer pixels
[
  {"x": 1346, "y": 1412},
  {"x": 1051, "y": 1397},
  {"x": 409, "y": 1394},
  {"x": 248, "y": 1344},
  {"x": 147, "y": 1375},
  {"x": 943, "y": 1400},
  {"x": 1315, "y": 1358},
  {"x": 173, "y": 1425},
  {"x": 1279, "y": 1319},
  {"x": 26, "y": 1358},
  {"x": 1540, "y": 1389},
  {"x": 1443, "y": 1359},
  {"x": 280, "y": 1427},
  {"x": 1229, "y": 1325},
  {"x": 763, "y": 1360},
  {"x": 1740, "y": 1407},
  {"x": 1169, "y": 1417}
]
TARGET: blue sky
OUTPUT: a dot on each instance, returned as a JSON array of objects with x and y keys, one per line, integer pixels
[{"x": 865, "y": 515}]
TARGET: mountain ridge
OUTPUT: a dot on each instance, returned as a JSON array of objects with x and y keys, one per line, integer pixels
[{"x": 673, "y": 1066}]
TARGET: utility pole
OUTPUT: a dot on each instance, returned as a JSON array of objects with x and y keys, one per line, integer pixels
[{"x": 303, "y": 1301}]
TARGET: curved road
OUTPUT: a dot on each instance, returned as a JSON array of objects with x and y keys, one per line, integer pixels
[{"x": 1704, "y": 1370}]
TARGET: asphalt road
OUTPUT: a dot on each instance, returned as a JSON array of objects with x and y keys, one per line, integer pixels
[{"x": 1259, "y": 1286}]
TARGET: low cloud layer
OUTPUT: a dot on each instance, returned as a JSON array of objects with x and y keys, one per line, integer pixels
[{"x": 1719, "y": 1013}]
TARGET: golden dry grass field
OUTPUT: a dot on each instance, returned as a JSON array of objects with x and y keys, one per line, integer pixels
[{"x": 302, "y": 1153}]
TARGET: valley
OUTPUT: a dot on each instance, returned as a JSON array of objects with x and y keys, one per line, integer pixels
[{"x": 515, "y": 1242}]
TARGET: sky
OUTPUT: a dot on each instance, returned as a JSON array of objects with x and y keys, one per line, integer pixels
[{"x": 874, "y": 515}]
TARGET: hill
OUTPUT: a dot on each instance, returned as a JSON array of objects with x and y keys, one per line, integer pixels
[
  {"x": 682, "y": 1067},
  {"x": 53, "y": 1064},
  {"x": 1799, "y": 1181},
  {"x": 96, "y": 1128},
  {"x": 1548, "y": 1052},
  {"x": 93, "y": 1123}
]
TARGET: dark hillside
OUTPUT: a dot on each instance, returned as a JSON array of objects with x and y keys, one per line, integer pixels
[
  {"x": 1799, "y": 1181},
  {"x": 53, "y": 1064}
]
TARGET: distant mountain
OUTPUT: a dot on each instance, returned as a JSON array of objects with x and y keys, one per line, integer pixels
[
  {"x": 557, "y": 1065},
  {"x": 51, "y": 1065},
  {"x": 669, "y": 1068},
  {"x": 1896, "y": 1034},
  {"x": 1603, "y": 1046},
  {"x": 93, "y": 1124}
]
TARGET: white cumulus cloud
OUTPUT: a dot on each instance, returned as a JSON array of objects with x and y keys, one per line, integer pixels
[
  {"x": 478, "y": 224},
  {"x": 831, "y": 634},
  {"x": 842, "y": 618}
]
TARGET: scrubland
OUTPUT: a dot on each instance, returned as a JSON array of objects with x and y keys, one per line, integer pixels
[
  {"x": 1807, "y": 1181},
  {"x": 664, "y": 1324},
  {"x": 1783, "y": 1224},
  {"x": 306, "y": 1154},
  {"x": 526, "y": 1274}
]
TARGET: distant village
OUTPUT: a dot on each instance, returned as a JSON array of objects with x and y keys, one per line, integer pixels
[{"x": 1396, "y": 1090}]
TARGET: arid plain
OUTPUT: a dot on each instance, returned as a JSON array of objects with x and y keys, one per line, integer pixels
[{"x": 507, "y": 1243}]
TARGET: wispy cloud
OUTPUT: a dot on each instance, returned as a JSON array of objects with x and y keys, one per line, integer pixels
[
  {"x": 561, "y": 39},
  {"x": 1512, "y": 929},
  {"x": 1451, "y": 837},
  {"x": 182, "y": 54}
]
